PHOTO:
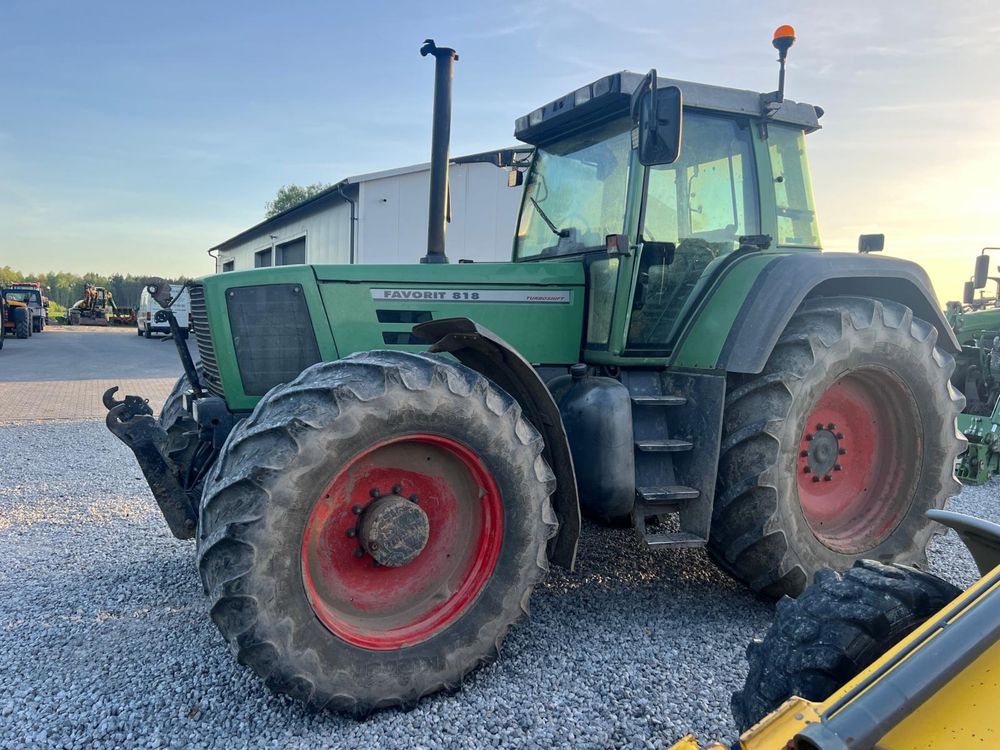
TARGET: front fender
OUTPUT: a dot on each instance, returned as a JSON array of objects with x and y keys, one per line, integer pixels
[{"x": 485, "y": 352}]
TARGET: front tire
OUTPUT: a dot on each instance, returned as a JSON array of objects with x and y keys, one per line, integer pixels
[
  {"x": 22, "y": 327},
  {"x": 836, "y": 629},
  {"x": 286, "y": 546},
  {"x": 183, "y": 438},
  {"x": 836, "y": 450}
]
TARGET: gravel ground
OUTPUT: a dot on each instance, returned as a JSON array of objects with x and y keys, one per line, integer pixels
[{"x": 105, "y": 639}]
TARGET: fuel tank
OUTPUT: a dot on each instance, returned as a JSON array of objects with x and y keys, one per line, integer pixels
[{"x": 597, "y": 414}]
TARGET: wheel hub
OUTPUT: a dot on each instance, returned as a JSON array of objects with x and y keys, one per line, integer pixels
[
  {"x": 393, "y": 530},
  {"x": 823, "y": 452}
]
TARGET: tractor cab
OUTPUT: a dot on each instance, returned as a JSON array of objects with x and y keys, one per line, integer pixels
[{"x": 653, "y": 235}]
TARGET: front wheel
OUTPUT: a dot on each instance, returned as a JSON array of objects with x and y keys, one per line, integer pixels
[
  {"x": 838, "y": 448},
  {"x": 22, "y": 326},
  {"x": 372, "y": 530}
]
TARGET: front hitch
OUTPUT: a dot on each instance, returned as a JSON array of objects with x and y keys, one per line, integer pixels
[{"x": 131, "y": 421}]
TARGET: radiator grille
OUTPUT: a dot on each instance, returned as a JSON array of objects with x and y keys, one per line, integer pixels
[
  {"x": 199, "y": 324},
  {"x": 273, "y": 334}
]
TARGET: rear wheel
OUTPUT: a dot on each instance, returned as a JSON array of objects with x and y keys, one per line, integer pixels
[
  {"x": 371, "y": 531},
  {"x": 837, "y": 628},
  {"x": 836, "y": 450}
]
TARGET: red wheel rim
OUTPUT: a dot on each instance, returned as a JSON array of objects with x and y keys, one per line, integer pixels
[
  {"x": 859, "y": 459},
  {"x": 380, "y": 607}
]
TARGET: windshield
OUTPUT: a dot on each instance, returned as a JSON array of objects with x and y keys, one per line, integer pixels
[
  {"x": 575, "y": 193},
  {"x": 20, "y": 296}
]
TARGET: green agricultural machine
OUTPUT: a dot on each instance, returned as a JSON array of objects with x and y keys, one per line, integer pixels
[
  {"x": 379, "y": 463},
  {"x": 976, "y": 323}
]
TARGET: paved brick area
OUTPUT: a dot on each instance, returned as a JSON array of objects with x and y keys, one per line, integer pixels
[{"x": 72, "y": 400}]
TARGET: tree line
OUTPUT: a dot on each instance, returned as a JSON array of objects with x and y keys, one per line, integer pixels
[{"x": 66, "y": 288}]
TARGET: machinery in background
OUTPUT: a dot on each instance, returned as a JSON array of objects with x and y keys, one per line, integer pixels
[
  {"x": 37, "y": 301},
  {"x": 882, "y": 657},
  {"x": 20, "y": 318},
  {"x": 976, "y": 323},
  {"x": 98, "y": 308}
]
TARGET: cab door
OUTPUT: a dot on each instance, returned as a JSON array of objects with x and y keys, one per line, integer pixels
[{"x": 701, "y": 205}]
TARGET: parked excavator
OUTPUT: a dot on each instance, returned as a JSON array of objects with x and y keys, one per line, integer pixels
[{"x": 98, "y": 308}]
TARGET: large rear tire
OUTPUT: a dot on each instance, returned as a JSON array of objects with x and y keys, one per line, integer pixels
[
  {"x": 311, "y": 580},
  {"x": 838, "y": 448},
  {"x": 837, "y": 628}
]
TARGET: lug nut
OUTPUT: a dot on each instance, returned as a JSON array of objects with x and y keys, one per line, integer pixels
[
  {"x": 352, "y": 532},
  {"x": 840, "y": 436},
  {"x": 804, "y": 454},
  {"x": 806, "y": 469},
  {"x": 374, "y": 492},
  {"x": 809, "y": 436},
  {"x": 414, "y": 499},
  {"x": 838, "y": 467},
  {"x": 831, "y": 427},
  {"x": 815, "y": 478},
  {"x": 827, "y": 478},
  {"x": 819, "y": 426},
  {"x": 356, "y": 510},
  {"x": 396, "y": 489}
]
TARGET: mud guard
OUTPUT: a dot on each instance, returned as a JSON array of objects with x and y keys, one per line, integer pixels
[
  {"x": 132, "y": 422},
  {"x": 485, "y": 352},
  {"x": 781, "y": 288}
]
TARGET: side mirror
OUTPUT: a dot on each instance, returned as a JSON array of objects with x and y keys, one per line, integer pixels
[
  {"x": 968, "y": 293},
  {"x": 982, "y": 271},
  {"x": 515, "y": 178},
  {"x": 658, "y": 115},
  {"x": 871, "y": 243}
]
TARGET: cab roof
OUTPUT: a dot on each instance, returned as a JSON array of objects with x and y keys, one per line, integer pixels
[{"x": 610, "y": 96}]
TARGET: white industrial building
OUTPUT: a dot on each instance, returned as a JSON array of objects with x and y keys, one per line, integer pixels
[{"x": 382, "y": 218}]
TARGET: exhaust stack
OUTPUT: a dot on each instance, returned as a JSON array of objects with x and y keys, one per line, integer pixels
[{"x": 437, "y": 209}]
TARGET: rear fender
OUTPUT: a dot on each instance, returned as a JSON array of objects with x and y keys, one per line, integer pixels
[
  {"x": 783, "y": 285},
  {"x": 485, "y": 352}
]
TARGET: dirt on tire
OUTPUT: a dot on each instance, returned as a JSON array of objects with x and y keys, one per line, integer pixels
[
  {"x": 760, "y": 533},
  {"x": 838, "y": 627},
  {"x": 261, "y": 491}
]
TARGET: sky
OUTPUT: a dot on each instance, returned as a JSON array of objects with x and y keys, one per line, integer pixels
[{"x": 134, "y": 136}]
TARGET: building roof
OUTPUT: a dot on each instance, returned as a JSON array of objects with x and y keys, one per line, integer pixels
[{"x": 499, "y": 157}]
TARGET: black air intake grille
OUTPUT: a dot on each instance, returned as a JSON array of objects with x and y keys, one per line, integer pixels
[
  {"x": 199, "y": 324},
  {"x": 272, "y": 334}
]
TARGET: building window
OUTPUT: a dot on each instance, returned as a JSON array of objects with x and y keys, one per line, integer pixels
[
  {"x": 262, "y": 258},
  {"x": 291, "y": 253},
  {"x": 229, "y": 265}
]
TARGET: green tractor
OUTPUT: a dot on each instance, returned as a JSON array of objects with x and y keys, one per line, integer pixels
[
  {"x": 976, "y": 323},
  {"x": 379, "y": 463}
]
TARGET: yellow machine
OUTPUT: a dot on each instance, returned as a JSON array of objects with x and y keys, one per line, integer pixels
[
  {"x": 95, "y": 309},
  {"x": 18, "y": 320},
  {"x": 937, "y": 688}
]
